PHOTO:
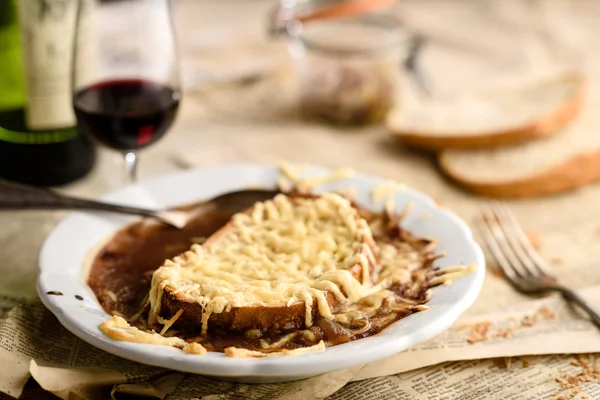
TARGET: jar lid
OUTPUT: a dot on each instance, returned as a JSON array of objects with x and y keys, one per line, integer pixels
[{"x": 323, "y": 9}]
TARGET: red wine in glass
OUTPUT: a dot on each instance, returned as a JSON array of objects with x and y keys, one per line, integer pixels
[{"x": 126, "y": 114}]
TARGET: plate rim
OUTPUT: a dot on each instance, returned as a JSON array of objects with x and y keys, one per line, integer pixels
[{"x": 298, "y": 365}]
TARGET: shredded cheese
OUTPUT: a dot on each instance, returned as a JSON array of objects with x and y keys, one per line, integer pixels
[
  {"x": 385, "y": 190},
  {"x": 169, "y": 323},
  {"x": 281, "y": 249},
  {"x": 347, "y": 192},
  {"x": 449, "y": 274},
  {"x": 195, "y": 348},
  {"x": 245, "y": 353},
  {"x": 111, "y": 295},
  {"x": 284, "y": 184},
  {"x": 292, "y": 176},
  {"x": 118, "y": 329},
  {"x": 425, "y": 215}
]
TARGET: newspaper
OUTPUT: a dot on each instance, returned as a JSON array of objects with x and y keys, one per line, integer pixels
[
  {"x": 546, "y": 326},
  {"x": 33, "y": 343},
  {"x": 64, "y": 364},
  {"x": 554, "y": 377},
  {"x": 29, "y": 332}
]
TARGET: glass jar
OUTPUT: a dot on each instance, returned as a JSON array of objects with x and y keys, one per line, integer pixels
[{"x": 348, "y": 69}]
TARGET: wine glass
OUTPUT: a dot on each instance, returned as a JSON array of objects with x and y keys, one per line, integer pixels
[{"x": 125, "y": 78}]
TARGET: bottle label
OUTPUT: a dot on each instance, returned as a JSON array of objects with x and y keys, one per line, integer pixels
[
  {"x": 45, "y": 137},
  {"x": 12, "y": 88},
  {"x": 47, "y": 34}
]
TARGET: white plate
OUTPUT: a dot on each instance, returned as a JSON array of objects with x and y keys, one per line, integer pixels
[{"x": 64, "y": 252}]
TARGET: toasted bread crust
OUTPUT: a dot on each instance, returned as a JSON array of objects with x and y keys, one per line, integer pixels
[
  {"x": 240, "y": 318},
  {"x": 568, "y": 175},
  {"x": 250, "y": 317},
  {"x": 545, "y": 125}
]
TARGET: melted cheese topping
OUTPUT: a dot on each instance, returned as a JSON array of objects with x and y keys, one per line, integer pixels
[
  {"x": 449, "y": 274},
  {"x": 398, "y": 261},
  {"x": 238, "y": 352},
  {"x": 195, "y": 348},
  {"x": 118, "y": 329},
  {"x": 169, "y": 322},
  {"x": 279, "y": 252},
  {"x": 292, "y": 179},
  {"x": 385, "y": 190}
]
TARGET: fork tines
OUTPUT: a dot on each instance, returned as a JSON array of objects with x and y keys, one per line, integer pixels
[{"x": 508, "y": 244}]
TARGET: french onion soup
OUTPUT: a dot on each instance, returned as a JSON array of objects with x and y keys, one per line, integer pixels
[{"x": 296, "y": 273}]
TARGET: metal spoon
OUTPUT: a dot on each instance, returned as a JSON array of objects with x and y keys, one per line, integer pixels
[{"x": 22, "y": 197}]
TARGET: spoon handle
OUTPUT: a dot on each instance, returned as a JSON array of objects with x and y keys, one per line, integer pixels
[{"x": 15, "y": 196}]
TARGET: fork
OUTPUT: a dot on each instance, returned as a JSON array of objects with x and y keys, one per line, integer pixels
[{"x": 520, "y": 263}]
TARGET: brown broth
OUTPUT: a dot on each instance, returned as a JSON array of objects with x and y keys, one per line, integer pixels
[
  {"x": 124, "y": 265},
  {"x": 123, "y": 268}
]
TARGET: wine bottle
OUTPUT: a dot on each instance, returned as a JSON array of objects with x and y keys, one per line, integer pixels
[{"x": 39, "y": 143}]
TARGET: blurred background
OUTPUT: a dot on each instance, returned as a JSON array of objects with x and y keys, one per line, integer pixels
[
  {"x": 324, "y": 81},
  {"x": 500, "y": 90}
]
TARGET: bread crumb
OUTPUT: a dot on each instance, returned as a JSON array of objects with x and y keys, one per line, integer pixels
[
  {"x": 542, "y": 313},
  {"x": 503, "y": 333},
  {"x": 557, "y": 260},
  {"x": 503, "y": 362},
  {"x": 535, "y": 238},
  {"x": 425, "y": 215},
  {"x": 496, "y": 272},
  {"x": 499, "y": 362},
  {"x": 478, "y": 332},
  {"x": 194, "y": 348},
  {"x": 589, "y": 373},
  {"x": 242, "y": 353},
  {"x": 546, "y": 313},
  {"x": 525, "y": 362},
  {"x": 527, "y": 321}
]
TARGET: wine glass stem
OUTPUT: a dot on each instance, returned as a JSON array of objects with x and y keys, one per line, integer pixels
[{"x": 131, "y": 162}]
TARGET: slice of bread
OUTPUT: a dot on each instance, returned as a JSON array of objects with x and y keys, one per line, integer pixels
[
  {"x": 278, "y": 265},
  {"x": 491, "y": 119},
  {"x": 551, "y": 165}
]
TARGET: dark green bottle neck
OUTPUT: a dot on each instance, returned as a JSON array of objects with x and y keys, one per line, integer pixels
[{"x": 8, "y": 13}]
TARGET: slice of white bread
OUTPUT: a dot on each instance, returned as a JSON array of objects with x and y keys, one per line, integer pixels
[
  {"x": 280, "y": 263},
  {"x": 509, "y": 116},
  {"x": 551, "y": 165}
]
